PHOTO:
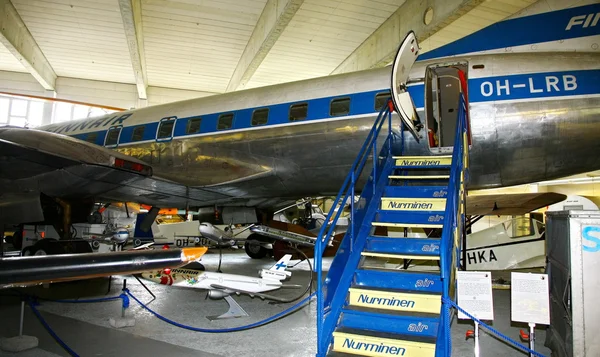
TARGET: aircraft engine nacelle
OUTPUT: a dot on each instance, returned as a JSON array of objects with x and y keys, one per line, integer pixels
[
  {"x": 121, "y": 235},
  {"x": 217, "y": 294},
  {"x": 213, "y": 233}
]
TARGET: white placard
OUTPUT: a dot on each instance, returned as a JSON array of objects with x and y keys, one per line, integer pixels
[
  {"x": 474, "y": 290},
  {"x": 530, "y": 300}
]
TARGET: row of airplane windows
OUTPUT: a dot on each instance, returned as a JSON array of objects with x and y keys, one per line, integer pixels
[{"x": 297, "y": 112}]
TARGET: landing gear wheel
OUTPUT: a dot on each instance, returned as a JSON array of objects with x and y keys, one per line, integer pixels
[
  {"x": 255, "y": 251},
  {"x": 17, "y": 240},
  {"x": 137, "y": 242},
  {"x": 95, "y": 245},
  {"x": 27, "y": 252},
  {"x": 47, "y": 246}
]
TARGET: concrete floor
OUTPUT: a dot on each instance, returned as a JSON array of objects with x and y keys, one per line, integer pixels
[{"x": 85, "y": 327}]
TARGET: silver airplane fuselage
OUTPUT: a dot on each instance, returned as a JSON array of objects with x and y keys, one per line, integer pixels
[{"x": 533, "y": 117}]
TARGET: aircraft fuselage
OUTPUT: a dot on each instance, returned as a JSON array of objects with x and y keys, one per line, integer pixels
[{"x": 533, "y": 117}]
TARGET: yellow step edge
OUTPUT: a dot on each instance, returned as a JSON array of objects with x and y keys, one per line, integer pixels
[
  {"x": 396, "y": 301},
  {"x": 422, "y": 157},
  {"x": 413, "y": 204},
  {"x": 418, "y": 161},
  {"x": 403, "y": 256},
  {"x": 408, "y": 225},
  {"x": 419, "y": 177},
  {"x": 380, "y": 347}
]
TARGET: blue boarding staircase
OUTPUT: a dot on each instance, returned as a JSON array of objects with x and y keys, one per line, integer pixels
[{"x": 372, "y": 311}]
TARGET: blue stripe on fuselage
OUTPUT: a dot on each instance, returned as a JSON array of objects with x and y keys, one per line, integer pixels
[
  {"x": 500, "y": 88},
  {"x": 538, "y": 28}
]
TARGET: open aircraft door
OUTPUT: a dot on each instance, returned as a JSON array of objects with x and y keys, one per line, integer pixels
[{"x": 405, "y": 58}]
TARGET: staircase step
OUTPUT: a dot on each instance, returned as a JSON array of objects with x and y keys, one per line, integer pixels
[
  {"x": 428, "y": 219},
  {"x": 419, "y": 177},
  {"x": 362, "y": 344},
  {"x": 416, "y": 191},
  {"x": 422, "y": 325},
  {"x": 400, "y": 247},
  {"x": 424, "y": 161},
  {"x": 394, "y": 300},
  {"x": 399, "y": 279},
  {"x": 413, "y": 204}
]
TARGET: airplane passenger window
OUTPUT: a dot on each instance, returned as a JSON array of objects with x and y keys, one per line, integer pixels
[
  {"x": 91, "y": 138},
  {"x": 260, "y": 116},
  {"x": 112, "y": 137},
  {"x": 138, "y": 133},
  {"x": 381, "y": 99},
  {"x": 340, "y": 106},
  {"x": 225, "y": 121},
  {"x": 165, "y": 129},
  {"x": 298, "y": 111},
  {"x": 193, "y": 125}
]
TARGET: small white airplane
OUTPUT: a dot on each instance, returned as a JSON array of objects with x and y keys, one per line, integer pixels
[{"x": 222, "y": 286}]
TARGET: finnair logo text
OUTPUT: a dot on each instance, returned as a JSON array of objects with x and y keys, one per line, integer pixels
[
  {"x": 373, "y": 347},
  {"x": 589, "y": 20},
  {"x": 371, "y": 300}
]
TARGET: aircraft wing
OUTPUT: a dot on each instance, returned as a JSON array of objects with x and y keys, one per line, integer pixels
[
  {"x": 250, "y": 293},
  {"x": 34, "y": 161},
  {"x": 20, "y": 271},
  {"x": 510, "y": 204}
]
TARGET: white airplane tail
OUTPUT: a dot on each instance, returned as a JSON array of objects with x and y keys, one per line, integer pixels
[{"x": 278, "y": 270}]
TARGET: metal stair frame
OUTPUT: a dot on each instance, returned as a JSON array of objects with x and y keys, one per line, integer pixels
[
  {"x": 361, "y": 216},
  {"x": 453, "y": 228}
]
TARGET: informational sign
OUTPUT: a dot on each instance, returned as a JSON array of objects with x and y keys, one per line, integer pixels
[
  {"x": 474, "y": 290},
  {"x": 530, "y": 300}
]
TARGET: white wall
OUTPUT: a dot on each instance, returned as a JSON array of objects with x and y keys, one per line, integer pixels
[{"x": 112, "y": 94}]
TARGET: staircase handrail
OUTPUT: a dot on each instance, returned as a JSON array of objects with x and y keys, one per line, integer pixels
[
  {"x": 348, "y": 191},
  {"x": 453, "y": 222}
]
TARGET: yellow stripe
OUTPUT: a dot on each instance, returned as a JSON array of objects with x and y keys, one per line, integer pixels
[
  {"x": 419, "y": 177},
  {"x": 418, "y": 161},
  {"x": 390, "y": 300},
  {"x": 413, "y": 204},
  {"x": 410, "y": 225},
  {"x": 422, "y": 157},
  {"x": 403, "y": 256},
  {"x": 380, "y": 347}
]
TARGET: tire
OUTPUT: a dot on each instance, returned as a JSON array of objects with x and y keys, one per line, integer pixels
[
  {"x": 95, "y": 245},
  {"x": 255, "y": 251},
  {"x": 47, "y": 246},
  {"x": 137, "y": 242},
  {"x": 27, "y": 251},
  {"x": 17, "y": 240}
]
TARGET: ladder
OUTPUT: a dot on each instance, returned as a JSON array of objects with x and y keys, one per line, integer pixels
[{"x": 368, "y": 310}]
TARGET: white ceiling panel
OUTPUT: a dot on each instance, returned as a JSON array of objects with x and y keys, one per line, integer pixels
[
  {"x": 81, "y": 39},
  {"x": 319, "y": 37},
  {"x": 196, "y": 45}
]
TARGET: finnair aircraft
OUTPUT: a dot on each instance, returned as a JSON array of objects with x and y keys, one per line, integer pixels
[{"x": 532, "y": 82}]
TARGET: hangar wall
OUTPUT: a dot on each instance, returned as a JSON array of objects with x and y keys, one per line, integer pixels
[{"x": 100, "y": 93}]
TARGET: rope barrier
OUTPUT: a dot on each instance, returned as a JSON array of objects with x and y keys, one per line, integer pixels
[
  {"x": 493, "y": 330},
  {"x": 50, "y": 331},
  {"x": 266, "y": 321}
]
